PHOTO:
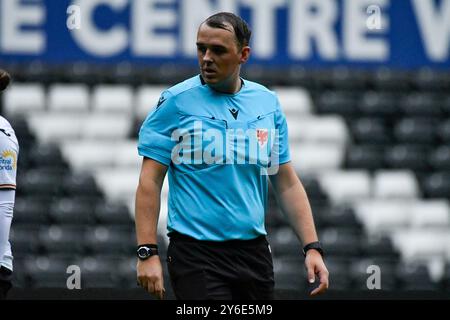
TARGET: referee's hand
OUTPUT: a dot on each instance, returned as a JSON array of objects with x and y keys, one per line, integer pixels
[
  {"x": 150, "y": 276},
  {"x": 315, "y": 266}
]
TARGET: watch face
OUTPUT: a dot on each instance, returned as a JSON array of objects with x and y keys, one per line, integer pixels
[{"x": 143, "y": 253}]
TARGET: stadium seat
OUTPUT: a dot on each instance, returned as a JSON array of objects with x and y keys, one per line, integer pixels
[
  {"x": 337, "y": 102},
  {"x": 126, "y": 154},
  {"x": 100, "y": 126},
  {"x": 415, "y": 277},
  {"x": 395, "y": 184},
  {"x": 24, "y": 239},
  {"x": 444, "y": 131},
  {"x": 339, "y": 277},
  {"x": 71, "y": 211},
  {"x": 413, "y": 157},
  {"x": 100, "y": 272},
  {"x": 56, "y": 127},
  {"x": 430, "y": 214},
  {"x": 368, "y": 157},
  {"x": 427, "y": 79},
  {"x": 119, "y": 184},
  {"x": 111, "y": 239},
  {"x": 445, "y": 105},
  {"x": 73, "y": 98},
  {"x": 420, "y": 104},
  {"x": 146, "y": 99},
  {"x": 312, "y": 157},
  {"x": 47, "y": 271},
  {"x": 439, "y": 159},
  {"x": 379, "y": 247},
  {"x": 383, "y": 216},
  {"x": 421, "y": 245},
  {"x": 437, "y": 185},
  {"x": 341, "y": 242},
  {"x": 47, "y": 156},
  {"x": 90, "y": 154},
  {"x": 24, "y": 99},
  {"x": 113, "y": 99},
  {"x": 294, "y": 101},
  {"x": 415, "y": 130},
  {"x": 346, "y": 186},
  {"x": 31, "y": 211},
  {"x": 370, "y": 131},
  {"x": 342, "y": 216},
  {"x": 284, "y": 242},
  {"x": 112, "y": 213},
  {"x": 326, "y": 129},
  {"x": 387, "y": 79},
  {"x": 290, "y": 276},
  {"x": 378, "y": 104},
  {"x": 40, "y": 182},
  {"x": 81, "y": 184},
  {"x": 62, "y": 239}
]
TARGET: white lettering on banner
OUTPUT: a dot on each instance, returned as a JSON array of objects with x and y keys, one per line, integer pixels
[
  {"x": 434, "y": 26},
  {"x": 14, "y": 16},
  {"x": 192, "y": 18},
  {"x": 146, "y": 18},
  {"x": 356, "y": 45},
  {"x": 306, "y": 24},
  {"x": 264, "y": 25},
  {"x": 100, "y": 43}
]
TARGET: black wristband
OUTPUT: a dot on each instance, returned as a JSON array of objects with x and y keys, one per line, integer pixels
[{"x": 313, "y": 245}]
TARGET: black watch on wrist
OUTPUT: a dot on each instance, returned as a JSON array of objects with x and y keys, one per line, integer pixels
[
  {"x": 313, "y": 245},
  {"x": 145, "y": 251}
]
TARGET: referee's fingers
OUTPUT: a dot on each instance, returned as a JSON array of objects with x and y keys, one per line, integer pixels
[
  {"x": 151, "y": 287},
  {"x": 159, "y": 288}
]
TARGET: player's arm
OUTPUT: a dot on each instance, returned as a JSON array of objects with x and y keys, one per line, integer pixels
[
  {"x": 147, "y": 206},
  {"x": 294, "y": 203}
]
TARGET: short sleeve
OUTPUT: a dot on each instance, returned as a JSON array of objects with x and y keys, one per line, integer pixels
[
  {"x": 9, "y": 151},
  {"x": 282, "y": 138},
  {"x": 155, "y": 136}
]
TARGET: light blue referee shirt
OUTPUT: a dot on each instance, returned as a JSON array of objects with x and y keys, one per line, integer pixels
[{"x": 220, "y": 149}]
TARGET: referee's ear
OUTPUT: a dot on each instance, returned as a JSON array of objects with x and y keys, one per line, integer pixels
[{"x": 245, "y": 54}]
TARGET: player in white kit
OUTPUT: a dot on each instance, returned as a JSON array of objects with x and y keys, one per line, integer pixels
[{"x": 9, "y": 150}]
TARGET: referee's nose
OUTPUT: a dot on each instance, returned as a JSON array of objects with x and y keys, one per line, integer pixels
[{"x": 208, "y": 56}]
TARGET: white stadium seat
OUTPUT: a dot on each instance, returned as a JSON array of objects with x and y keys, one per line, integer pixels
[
  {"x": 421, "y": 245},
  {"x": 317, "y": 129},
  {"x": 383, "y": 216},
  {"x": 146, "y": 99},
  {"x": 72, "y": 98},
  {"x": 430, "y": 214},
  {"x": 118, "y": 184},
  {"x": 90, "y": 155},
  {"x": 24, "y": 99},
  {"x": 294, "y": 101},
  {"x": 56, "y": 127},
  {"x": 113, "y": 99},
  {"x": 395, "y": 184},
  {"x": 106, "y": 126},
  {"x": 346, "y": 186},
  {"x": 316, "y": 157}
]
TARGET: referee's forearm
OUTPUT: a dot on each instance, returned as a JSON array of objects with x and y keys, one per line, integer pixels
[
  {"x": 147, "y": 208},
  {"x": 295, "y": 204}
]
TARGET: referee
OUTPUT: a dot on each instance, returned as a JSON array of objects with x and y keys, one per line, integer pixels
[{"x": 221, "y": 139}]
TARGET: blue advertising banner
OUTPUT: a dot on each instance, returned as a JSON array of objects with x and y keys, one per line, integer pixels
[{"x": 404, "y": 34}]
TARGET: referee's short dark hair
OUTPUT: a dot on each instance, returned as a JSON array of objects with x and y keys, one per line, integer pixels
[{"x": 240, "y": 27}]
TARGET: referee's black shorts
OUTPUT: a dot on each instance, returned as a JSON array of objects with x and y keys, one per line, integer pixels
[{"x": 211, "y": 270}]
